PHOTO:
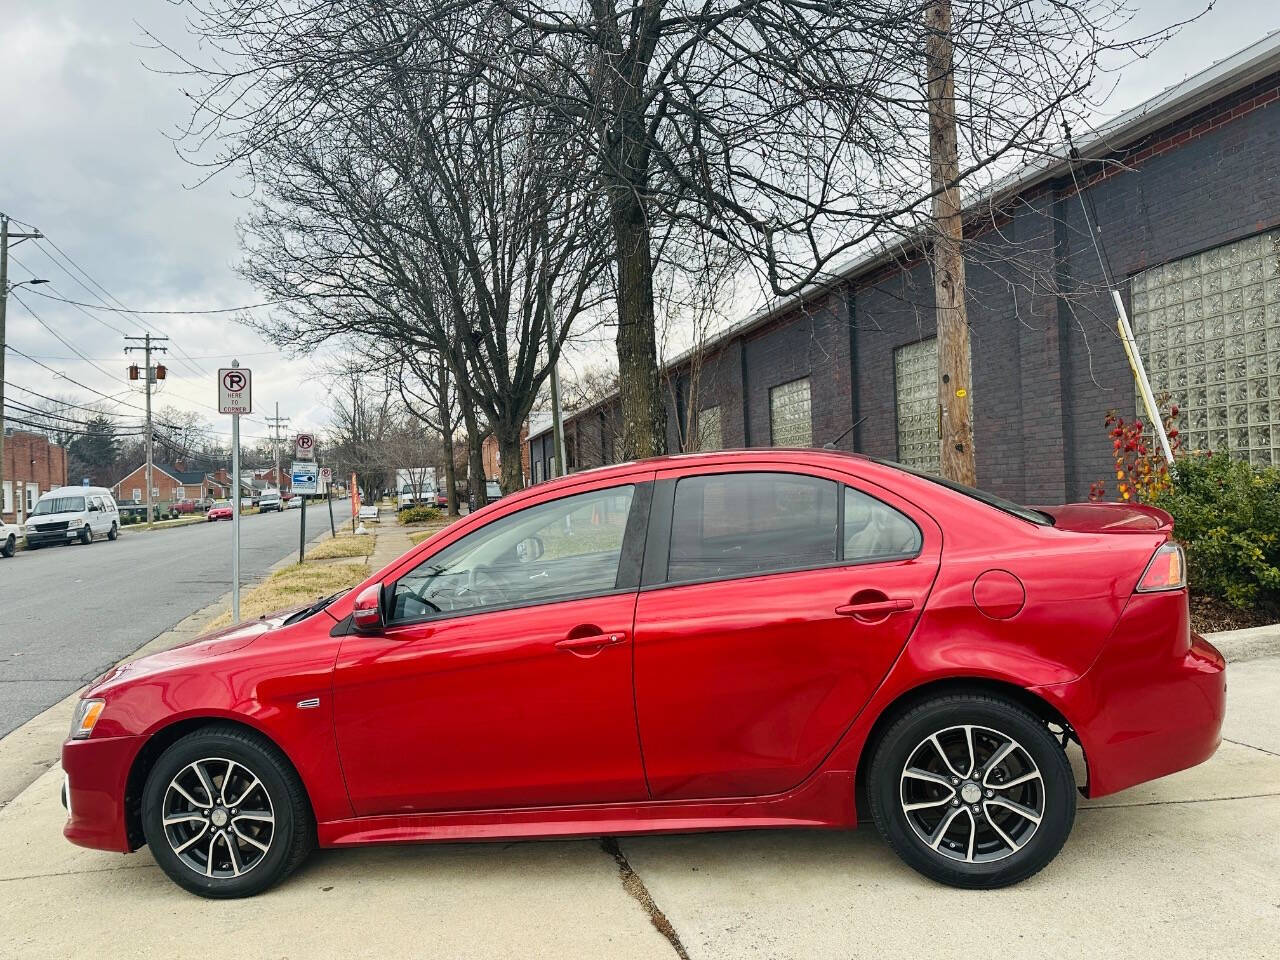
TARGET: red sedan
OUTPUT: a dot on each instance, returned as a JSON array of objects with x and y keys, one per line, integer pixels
[
  {"x": 219, "y": 511},
  {"x": 730, "y": 640}
]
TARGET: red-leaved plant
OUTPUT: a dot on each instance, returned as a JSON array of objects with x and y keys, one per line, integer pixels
[{"x": 1141, "y": 470}]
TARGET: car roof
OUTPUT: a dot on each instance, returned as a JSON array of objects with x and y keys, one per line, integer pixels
[{"x": 75, "y": 491}]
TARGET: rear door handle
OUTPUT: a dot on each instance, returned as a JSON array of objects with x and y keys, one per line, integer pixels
[
  {"x": 594, "y": 641},
  {"x": 875, "y": 608}
]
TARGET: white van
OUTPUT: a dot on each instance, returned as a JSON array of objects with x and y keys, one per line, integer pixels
[{"x": 73, "y": 513}]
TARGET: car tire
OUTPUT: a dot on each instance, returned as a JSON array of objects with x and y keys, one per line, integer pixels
[
  {"x": 10, "y": 546},
  {"x": 113, "y": 532},
  {"x": 86, "y": 535},
  {"x": 228, "y": 759},
  {"x": 972, "y": 791}
]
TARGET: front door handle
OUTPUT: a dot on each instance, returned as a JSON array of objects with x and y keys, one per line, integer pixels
[
  {"x": 869, "y": 609},
  {"x": 590, "y": 642}
]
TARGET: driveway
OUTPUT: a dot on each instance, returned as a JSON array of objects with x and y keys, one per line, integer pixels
[
  {"x": 69, "y": 613},
  {"x": 1187, "y": 867}
]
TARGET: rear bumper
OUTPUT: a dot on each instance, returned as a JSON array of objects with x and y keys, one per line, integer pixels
[
  {"x": 1154, "y": 701},
  {"x": 96, "y": 776}
]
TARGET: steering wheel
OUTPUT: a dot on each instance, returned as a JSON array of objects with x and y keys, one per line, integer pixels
[{"x": 480, "y": 592}]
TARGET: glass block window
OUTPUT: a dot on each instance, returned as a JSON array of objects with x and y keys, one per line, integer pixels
[
  {"x": 790, "y": 415},
  {"x": 915, "y": 369},
  {"x": 710, "y": 430},
  {"x": 1208, "y": 330}
]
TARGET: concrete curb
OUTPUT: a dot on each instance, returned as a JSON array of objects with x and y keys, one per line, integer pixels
[{"x": 1252, "y": 643}]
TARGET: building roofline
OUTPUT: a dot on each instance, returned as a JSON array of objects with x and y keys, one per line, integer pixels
[{"x": 1219, "y": 80}]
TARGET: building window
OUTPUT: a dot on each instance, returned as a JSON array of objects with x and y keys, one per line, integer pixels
[
  {"x": 137, "y": 494},
  {"x": 33, "y": 494},
  {"x": 915, "y": 373},
  {"x": 180, "y": 493},
  {"x": 537, "y": 471},
  {"x": 790, "y": 415},
  {"x": 710, "y": 429},
  {"x": 7, "y": 506},
  {"x": 1208, "y": 330}
]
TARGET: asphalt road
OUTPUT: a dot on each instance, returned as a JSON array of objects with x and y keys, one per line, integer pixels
[{"x": 69, "y": 613}]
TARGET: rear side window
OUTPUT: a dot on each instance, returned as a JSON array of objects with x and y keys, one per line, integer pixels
[
  {"x": 875, "y": 531},
  {"x": 738, "y": 524}
]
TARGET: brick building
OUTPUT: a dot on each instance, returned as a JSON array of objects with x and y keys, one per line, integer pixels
[
  {"x": 170, "y": 483},
  {"x": 1185, "y": 193},
  {"x": 32, "y": 466}
]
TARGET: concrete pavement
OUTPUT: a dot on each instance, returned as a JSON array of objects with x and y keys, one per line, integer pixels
[
  {"x": 1186, "y": 867},
  {"x": 69, "y": 613}
]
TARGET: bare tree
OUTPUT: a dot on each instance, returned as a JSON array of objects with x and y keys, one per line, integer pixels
[
  {"x": 794, "y": 131},
  {"x": 363, "y": 420}
]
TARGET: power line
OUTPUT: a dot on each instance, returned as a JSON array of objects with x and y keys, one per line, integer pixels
[
  {"x": 61, "y": 339},
  {"x": 172, "y": 313},
  {"x": 95, "y": 319}
]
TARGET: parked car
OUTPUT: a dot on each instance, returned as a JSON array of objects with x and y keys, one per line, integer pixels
[
  {"x": 185, "y": 506},
  {"x": 10, "y": 534},
  {"x": 67, "y": 514},
  {"x": 715, "y": 641},
  {"x": 269, "y": 502},
  {"x": 221, "y": 510},
  {"x": 441, "y": 499},
  {"x": 294, "y": 503}
]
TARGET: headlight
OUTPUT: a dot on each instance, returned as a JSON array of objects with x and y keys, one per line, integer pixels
[{"x": 86, "y": 717}]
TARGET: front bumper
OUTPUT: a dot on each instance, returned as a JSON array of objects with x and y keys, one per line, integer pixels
[
  {"x": 53, "y": 536},
  {"x": 1154, "y": 701},
  {"x": 94, "y": 786}
]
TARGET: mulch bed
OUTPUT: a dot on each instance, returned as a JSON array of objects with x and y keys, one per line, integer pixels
[{"x": 1209, "y": 614}]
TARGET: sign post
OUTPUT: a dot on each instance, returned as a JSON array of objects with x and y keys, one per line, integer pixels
[
  {"x": 326, "y": 478},
  {"x": 235, "y": 396},
  {"x": 304, "y": 480}
]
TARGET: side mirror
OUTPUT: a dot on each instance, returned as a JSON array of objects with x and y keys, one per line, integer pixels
[
  {"x": 366, "y": 612},
  {"x": 529, "y": 549}
]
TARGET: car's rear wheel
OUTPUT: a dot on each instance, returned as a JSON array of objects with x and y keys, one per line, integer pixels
[
  {"x": 10, "y": 546},
  {"x": 113, "y": 532},
  {"x": 225, "y": 814},
  {"x": 972, "y": 791}
]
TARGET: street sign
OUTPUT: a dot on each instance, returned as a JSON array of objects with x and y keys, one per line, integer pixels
[
  {"x": 304, "y": 478},
  {"x": 304, "y": 447},
  {"x": 326, "y": 475},
  {"x": 235, "y": 390}
]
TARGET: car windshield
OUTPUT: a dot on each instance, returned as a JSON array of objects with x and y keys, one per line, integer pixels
[
  {"x": 406, "y": 489},
  {"x": 990, "y": 499},
  {"x": 58, "y": 505}
]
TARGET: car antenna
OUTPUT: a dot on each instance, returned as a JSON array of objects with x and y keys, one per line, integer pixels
[{"x": 831, "y": 444}]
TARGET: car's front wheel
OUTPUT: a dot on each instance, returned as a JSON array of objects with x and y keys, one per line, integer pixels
[
  {"x": 86, "y": 534},
  {"x": 225, "y": 814},
  {"x": 972, "y": 791}
]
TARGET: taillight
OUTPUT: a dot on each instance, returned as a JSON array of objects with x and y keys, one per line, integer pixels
[{"x": 1166, "y": 571}]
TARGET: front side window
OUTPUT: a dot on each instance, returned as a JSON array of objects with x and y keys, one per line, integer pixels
[
  {"x": 739, "y": 524},
  {"x": 568, "y": 548}
]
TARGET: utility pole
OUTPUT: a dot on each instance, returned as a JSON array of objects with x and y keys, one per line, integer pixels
[
  {"x": 277, "y": 424},
  {"x": 148, "y": 346},
  {"x": 5, "y": 237},
  {"x": 955, "y": 405}
]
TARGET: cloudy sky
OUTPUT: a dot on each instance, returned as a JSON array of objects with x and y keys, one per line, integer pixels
[{"x": 83, "y": 125}]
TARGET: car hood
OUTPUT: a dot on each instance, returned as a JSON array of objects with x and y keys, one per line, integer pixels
[
  {"x": 204, "y": 647},
  {"x": 55, "y": 517}
]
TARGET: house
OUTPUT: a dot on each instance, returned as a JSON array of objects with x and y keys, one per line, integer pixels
[
  {"x": 170, "y": 483},
  {"x": 1180, "y": 195},
  {"x": 32, "y": 466}
]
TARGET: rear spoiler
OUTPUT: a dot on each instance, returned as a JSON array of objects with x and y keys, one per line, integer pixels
[{"x": 1109, "y": 518}]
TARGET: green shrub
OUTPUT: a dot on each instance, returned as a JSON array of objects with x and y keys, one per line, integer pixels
[
  {"x": 1226, "y": 515},
  {"x": 419, "y": 515}
]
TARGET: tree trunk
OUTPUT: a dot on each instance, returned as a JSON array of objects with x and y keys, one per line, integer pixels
[
  {"x": 956, "y": 455},
  {"x": 644, "y": 416},
  {"x": 475, "y": 456},
  {"x": 446, "y": 437},
  {"x": 510, "y": 458}
]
